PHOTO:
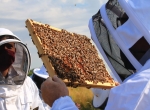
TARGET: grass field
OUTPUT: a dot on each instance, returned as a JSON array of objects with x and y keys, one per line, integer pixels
[{"x": 83, "y": 97}]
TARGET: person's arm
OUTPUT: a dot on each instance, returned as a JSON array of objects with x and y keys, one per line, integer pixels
[
  {"x": 131, "y": 95},
  {"x": 64, "y": 103},
  {"x": 56, "y": 94}
]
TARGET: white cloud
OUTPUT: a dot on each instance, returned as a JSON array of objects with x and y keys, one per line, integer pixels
[
  {"x": 64, "y": 1},
  {"x": 5, "y": 1}
]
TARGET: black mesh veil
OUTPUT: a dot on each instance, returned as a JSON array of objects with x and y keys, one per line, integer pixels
[
  {"x": 116, "y": 57},
  {"x": 20, "y": 67}
]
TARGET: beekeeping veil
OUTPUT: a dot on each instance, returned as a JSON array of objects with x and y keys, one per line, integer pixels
[
  {"x": 21, "y": 65},
  {"x": 121, "y": 31}
]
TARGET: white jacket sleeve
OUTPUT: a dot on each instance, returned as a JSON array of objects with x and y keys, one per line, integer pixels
[
  {"x": 64, "y": 103},
  {"x": 133, "y": 94}
]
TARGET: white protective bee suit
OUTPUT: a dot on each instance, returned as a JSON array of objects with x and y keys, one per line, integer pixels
[
  {"x": 21, "y": 92},
  {"x": 132, "y": 37}
]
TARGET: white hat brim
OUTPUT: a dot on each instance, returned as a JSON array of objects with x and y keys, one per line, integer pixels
[{"x": 38, "y": 73}]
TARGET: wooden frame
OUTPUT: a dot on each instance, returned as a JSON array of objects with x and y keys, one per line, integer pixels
[{"x": 47, "y": 62}]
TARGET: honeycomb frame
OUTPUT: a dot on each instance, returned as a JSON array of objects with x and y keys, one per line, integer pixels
[{"x": 48, "y": 64}]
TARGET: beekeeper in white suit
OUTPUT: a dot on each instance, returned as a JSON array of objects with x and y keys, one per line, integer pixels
[
  {"x": 17, "y": 90},
  {"x": 128, "y": 33},
  {"x": 132, "y": 38}
]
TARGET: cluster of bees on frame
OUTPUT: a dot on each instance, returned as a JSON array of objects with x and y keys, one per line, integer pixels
[{"x": 73, "y": 56}]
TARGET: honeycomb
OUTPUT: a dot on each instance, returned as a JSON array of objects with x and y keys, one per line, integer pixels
[{"x": 72, "y": 56}]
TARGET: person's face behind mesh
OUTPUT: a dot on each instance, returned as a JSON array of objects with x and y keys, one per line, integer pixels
[{"x": 7, "y": 53}]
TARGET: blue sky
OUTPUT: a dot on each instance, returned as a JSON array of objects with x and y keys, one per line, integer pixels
[{"x": 71, "y": 15}]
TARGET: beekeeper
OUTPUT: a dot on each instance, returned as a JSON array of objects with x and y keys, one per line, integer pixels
[
  {"x": 129, "y": 37},
  {"x": 17, "y": 90},
  {"x": 123, "y": 39},
  {"x": 39, "y": 76}
]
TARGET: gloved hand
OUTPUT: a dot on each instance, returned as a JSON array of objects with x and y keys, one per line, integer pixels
[{"x": 52, "y": 89}]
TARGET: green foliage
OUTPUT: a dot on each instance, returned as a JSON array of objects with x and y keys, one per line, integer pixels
[{"x": 30, "y": 72}]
